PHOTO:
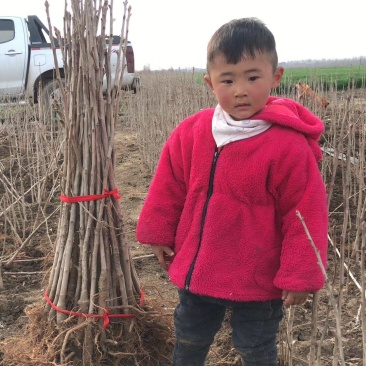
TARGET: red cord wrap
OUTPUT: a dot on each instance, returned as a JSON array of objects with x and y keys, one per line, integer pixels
[
  {"x": 92, "y": 197},
  {"x": 106, "y": 315}
]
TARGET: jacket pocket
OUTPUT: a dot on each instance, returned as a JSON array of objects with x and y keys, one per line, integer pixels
[{"x": 266, "y": 270}]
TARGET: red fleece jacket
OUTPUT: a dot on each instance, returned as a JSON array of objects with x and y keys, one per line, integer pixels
[{"x": 239, "y": 238}]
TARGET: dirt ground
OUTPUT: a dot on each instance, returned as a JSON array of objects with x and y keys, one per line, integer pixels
[{"x": 24, "y": 284}]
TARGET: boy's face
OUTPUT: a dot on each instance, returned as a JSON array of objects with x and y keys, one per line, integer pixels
[{"x": 243, "y": 89}]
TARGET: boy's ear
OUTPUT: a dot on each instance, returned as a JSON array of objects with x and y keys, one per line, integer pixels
[
  {"x": 208, "y": 81},
  {"x": 277, "y": 77}
]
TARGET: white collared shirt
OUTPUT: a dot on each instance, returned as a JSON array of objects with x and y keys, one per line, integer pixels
[{"x": 225, "y": 129}]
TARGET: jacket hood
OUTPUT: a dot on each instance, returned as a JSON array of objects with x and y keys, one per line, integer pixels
[{"x": 288, "y": 113}]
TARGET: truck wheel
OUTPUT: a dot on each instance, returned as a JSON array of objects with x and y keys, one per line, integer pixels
[
  {"x": 51, "y": 95},
  {"x": 135, "y": 85}
]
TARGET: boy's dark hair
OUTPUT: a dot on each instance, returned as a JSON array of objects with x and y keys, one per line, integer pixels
[{"x": 242, "y": 38}]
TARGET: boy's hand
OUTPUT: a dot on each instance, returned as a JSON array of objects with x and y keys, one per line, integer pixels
[
  {"x": 164, "y": 254},
  {"x": 293, "y": 297}
]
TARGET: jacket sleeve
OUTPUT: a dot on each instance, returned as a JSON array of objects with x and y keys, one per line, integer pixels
[
  {"x": 162, "y": 208},
  {"x": 299, "y": 187}
]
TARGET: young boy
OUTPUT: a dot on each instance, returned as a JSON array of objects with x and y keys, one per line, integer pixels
[{"x": 224, "y": 198}]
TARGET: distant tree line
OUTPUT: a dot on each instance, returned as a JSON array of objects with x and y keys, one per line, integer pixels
[{"x": 355, "y": 61}]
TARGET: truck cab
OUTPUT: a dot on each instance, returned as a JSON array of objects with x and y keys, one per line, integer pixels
[{"x": 27, "y": 61}]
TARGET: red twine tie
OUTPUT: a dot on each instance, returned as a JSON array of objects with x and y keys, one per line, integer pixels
[
  {"x": 106, "y": 315},
  {"x": 92, "y": 197}
]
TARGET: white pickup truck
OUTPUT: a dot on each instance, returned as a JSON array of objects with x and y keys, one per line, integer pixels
[{"x": 26, "y": 61}]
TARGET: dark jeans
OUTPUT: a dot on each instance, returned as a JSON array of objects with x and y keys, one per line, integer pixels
[{"x": 254, "y": 326}]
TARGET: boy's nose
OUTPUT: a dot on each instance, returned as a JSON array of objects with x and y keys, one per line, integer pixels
[{"x": 240, "y": 91}]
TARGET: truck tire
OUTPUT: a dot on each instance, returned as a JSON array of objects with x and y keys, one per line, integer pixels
[
  {"x": 48, "y": 94},
  {"x": 135, "y": 85}
]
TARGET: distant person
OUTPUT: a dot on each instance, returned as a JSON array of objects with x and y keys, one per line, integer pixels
[{"x": 222, "y": 204}]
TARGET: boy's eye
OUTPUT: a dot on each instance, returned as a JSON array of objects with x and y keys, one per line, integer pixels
[
  {"x": 227, "y": 81},
  {"x": 253, "y": 78}
]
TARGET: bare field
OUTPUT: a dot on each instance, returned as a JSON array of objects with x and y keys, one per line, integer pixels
[{"x": 24, "y": 281}]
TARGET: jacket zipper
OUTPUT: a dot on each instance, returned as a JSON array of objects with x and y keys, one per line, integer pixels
[{"x": 204, "y": 213}]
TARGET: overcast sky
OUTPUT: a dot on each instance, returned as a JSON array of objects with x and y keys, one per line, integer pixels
[{"x": 175, "y": 33}]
